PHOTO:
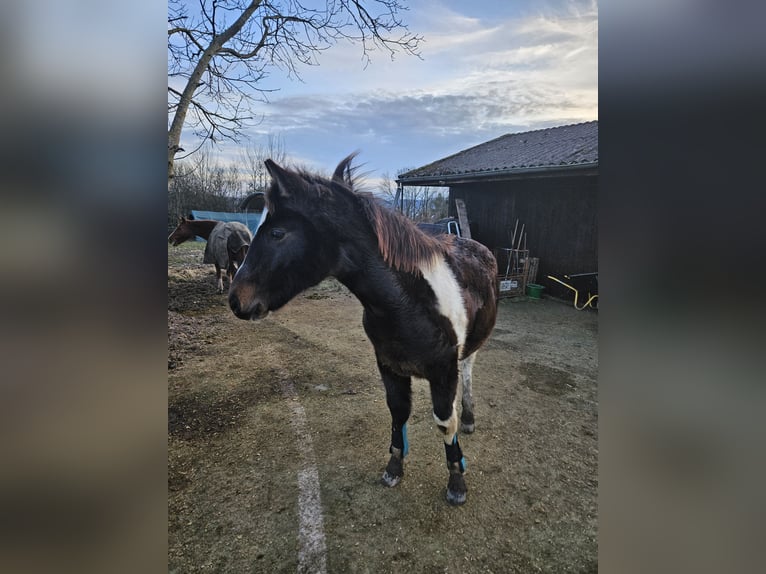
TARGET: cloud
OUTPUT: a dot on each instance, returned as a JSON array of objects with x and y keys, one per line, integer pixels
[
  {"x": 487, "y": 106},
  {"x": 478, "y": 79},
  {"x": 466, "y": 61}
]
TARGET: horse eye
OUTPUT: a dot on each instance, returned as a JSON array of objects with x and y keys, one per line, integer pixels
[{"x": 277, "y": 233}]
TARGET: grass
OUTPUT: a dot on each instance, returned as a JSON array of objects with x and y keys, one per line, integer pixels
[{"x": 189, "y": 253}]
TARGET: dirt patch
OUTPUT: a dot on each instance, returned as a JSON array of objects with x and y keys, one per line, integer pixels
[
  {"x": 546, "y": 380},
  {"x": 234, "y": 460},
  {"x": 193, "y": 417}
]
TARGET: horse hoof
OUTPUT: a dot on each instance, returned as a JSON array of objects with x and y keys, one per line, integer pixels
[
  {"x": 456, "y": 489},
  {"x": 390, "y": 480},
  {"x": 455, "y": 498},
  {"x": 394, "y": 471},
  {"x": 467, "y": 428}
]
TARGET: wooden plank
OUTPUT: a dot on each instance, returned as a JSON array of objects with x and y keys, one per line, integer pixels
[
  {"x": 462, "y": 218},
  {"x": 532, "y": 273}
]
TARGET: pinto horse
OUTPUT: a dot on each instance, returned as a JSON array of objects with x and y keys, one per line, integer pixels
[
  {"x": 429, "y": 302},
  {"x": 227, "y": 243}
]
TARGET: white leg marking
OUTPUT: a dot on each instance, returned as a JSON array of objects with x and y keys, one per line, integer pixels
[
  {"x": 466, "y": 376},
  {"x": 449, "y": 298},
  {"x": 450, "y": 424},
  {"x": 312, "y": 549}
]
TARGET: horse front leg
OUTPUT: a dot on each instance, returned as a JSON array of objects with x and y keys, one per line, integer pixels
[
  {"x": 399, "y": 401},
  {"x": 231, "y": 270},
  {"x": 443, "y": 395}
]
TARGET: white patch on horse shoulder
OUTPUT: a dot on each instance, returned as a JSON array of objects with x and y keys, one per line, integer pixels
[{"x": 449, "y": 298}]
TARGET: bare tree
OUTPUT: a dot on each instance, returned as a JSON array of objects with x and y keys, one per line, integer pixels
[
  {"x": 387, "y": 187},
  {"x": 232, "y": 181},
  {"x": 253, "y": 156},
  {"x": 203, "y": 184},
  {"x": 419, "y": 203},
  {"x": 219, "y": 55}
]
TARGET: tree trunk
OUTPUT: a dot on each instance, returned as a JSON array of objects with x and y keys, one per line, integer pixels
[{"x": 174, "y": 133}]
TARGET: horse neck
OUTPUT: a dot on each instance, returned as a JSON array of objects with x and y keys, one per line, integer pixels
[
  {"x": 363, "y": 271},
  {"x": 202, "y": 227},
  {"x": 377, "y": 264},
  {"x": 361, "y": 265}
]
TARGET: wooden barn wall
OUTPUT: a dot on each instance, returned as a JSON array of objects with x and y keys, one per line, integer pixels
[{"x": 559, "y": 215}]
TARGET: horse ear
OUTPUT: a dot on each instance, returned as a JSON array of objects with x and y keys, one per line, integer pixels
[
  {"x": 343, "y": 173},
  {"x": 286, "y": 182}
]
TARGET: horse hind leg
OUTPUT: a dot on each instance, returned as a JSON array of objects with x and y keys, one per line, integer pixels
[
  {"x": 467, "y": 424},
  {"x": 219, "y": 277},
  {"x": 399, "y": 401}
]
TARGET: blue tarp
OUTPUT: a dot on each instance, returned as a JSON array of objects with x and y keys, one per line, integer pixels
[{"x": 250, "y": 218}]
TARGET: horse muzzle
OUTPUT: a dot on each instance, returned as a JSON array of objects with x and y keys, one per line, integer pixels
[{"x": 248, "y": 308}]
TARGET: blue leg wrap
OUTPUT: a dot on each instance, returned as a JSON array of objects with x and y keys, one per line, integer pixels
[
  {"x": 454, "y": 454},
  {"x": 399, "y": 440}
]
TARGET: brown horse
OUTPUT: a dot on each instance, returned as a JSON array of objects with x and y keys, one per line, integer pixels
[
  {"x": 227, "y": 243},
  {"x": 429, "y": 302}
]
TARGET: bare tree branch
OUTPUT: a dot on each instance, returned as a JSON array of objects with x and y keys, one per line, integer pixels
[{"x": 225, "y": 49}]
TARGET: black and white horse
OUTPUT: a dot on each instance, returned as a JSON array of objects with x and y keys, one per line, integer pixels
[{"x": 429, "y": 302}]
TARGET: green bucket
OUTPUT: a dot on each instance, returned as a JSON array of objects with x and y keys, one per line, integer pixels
[{"x": 534, "y": 290}]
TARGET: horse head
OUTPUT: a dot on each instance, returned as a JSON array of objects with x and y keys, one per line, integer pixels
[
  {"x": 181, "y": 233},
  {"x": 295, "y": 246}
]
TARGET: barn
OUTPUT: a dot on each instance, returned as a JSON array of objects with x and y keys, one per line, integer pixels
[{"x": 547, "y": 179}]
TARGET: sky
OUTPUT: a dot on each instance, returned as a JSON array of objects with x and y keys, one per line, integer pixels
[{"x": 487, "y": 68}]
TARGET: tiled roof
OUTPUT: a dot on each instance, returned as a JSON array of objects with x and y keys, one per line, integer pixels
[{"x": 567, "y": 146}]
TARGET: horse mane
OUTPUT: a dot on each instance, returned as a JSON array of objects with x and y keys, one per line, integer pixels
[{"x": 401, "y": 243}]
